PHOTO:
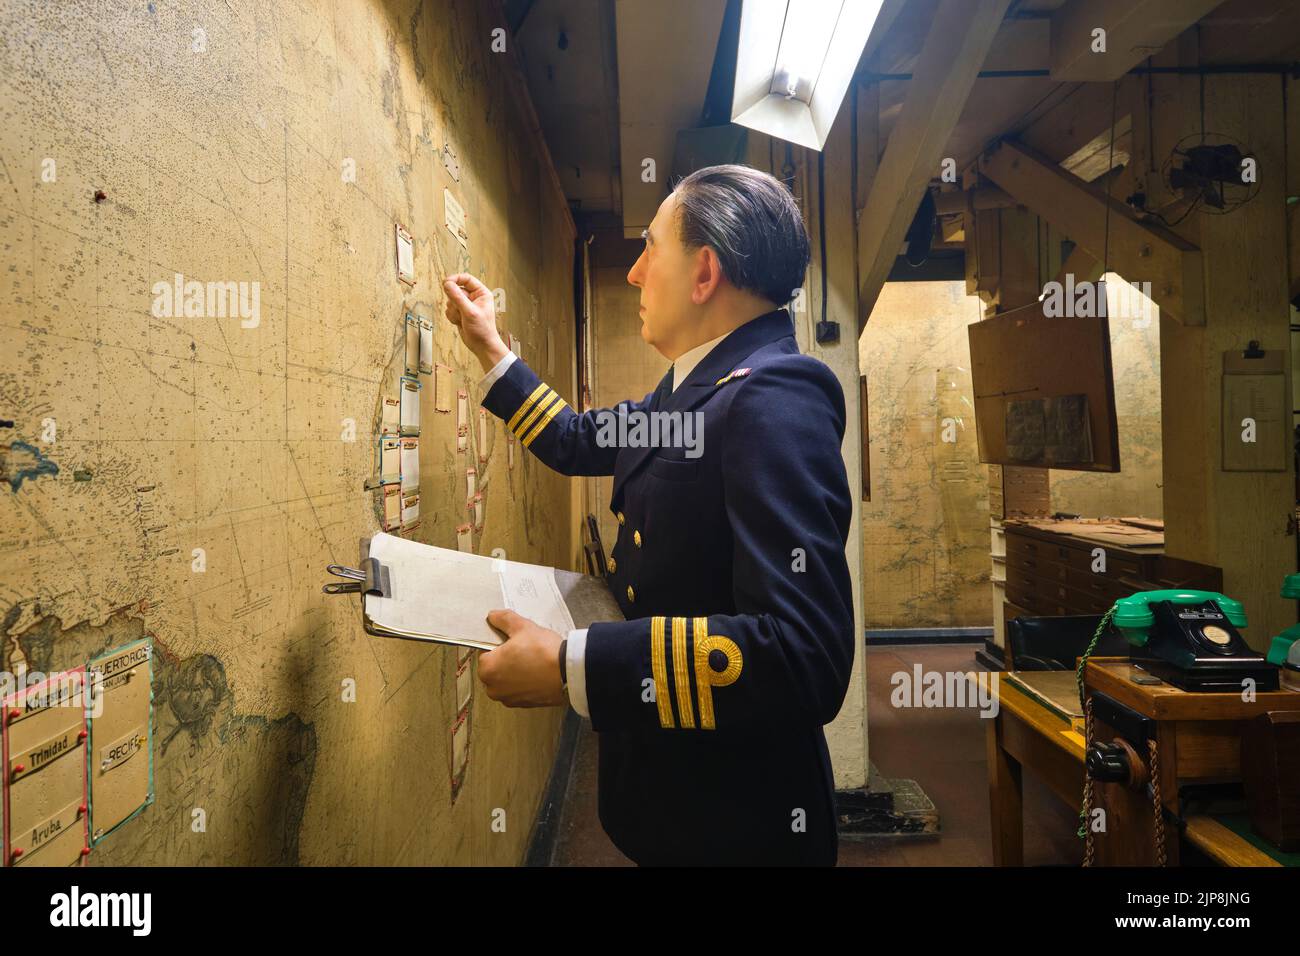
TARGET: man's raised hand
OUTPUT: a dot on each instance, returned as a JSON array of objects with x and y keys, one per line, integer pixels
[{"x": 471, "y": 309}]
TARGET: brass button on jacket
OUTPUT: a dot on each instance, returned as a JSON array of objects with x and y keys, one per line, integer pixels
[
  {"x": 620, "y": 517},
  {"x": 636, "y": 538},
  {"x": 612, "y": 565},
  {"x": 631, "y": 595}
]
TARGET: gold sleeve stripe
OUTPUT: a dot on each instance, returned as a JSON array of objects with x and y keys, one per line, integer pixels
[
  {"x": 682, "y": 674},
  {"x": 538, "y": 392},
  {"x": 660, "y": 673},
  {"x": 706, "y": 678},
  {"x": 701, "y": 629},
  {"x": 545, "y": 400},
  {"x": 545, "y": 420}
]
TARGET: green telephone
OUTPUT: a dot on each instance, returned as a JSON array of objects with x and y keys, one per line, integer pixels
[
  {"x": 1190, "y": 639},
  {"x": 1186, "y": 638}
]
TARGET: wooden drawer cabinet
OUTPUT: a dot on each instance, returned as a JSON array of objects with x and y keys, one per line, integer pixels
[{"x": 1051, "y": 573}]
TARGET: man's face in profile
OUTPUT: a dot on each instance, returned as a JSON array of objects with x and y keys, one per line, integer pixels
[{"x": 663, "y": 274}]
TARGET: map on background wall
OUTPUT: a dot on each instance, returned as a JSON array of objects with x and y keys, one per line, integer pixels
[
  {"x": 202, "y": 321},
  {"x": 925, "y": 531}
]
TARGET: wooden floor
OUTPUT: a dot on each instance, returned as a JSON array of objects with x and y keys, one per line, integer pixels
[{"x": 942, "y": 749}]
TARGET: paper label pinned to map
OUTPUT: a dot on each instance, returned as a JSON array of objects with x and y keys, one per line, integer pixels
[
  {"x": 122, "y": 750},
  {"x": 55, "y": 691},
  {"x": 442, "y": 388},
  {"x": 454, "y": 217},
  {"x": 411, "y": 363},
  {"x": 392, "y": 507},
  {"x": 462, "y": 420},
  {"x": 390, "y": 421},
  {"x": 450, "y": 161},
  {"x": 410, "y": 512},
  {"x": 405, "y": 255},
  {"x": 31, "y": 759},
  {"x": 28, "y": 840},
  {"x": 410, "y": 464},
  {"x": 121, "y": 663},
  {"x": 464, "y": 685},
  {"x": 426, "y": 346},
  {"x": 459, "y": 751},
  {"x": 390, "y": 459},
  {"x": 410, "y": 413}
]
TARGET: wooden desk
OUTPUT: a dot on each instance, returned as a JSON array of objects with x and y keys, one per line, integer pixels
[
  {"x": 1028, "y": 733},
  {"x": 1222, "y": 845},
  {"x": 1197, "y": 740}
]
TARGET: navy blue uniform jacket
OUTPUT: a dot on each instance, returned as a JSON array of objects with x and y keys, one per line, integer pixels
[{"x": 709, "y": 700}]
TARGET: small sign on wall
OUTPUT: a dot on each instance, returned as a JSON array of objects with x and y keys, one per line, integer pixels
[
  {"x": 454, "y": 214},
  {"x": 405, "y": 255},
  {"x": 1255, "y": 412}
]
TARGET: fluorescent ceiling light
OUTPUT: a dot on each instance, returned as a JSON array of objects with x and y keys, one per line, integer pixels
[{"x": 794, "y": 63}]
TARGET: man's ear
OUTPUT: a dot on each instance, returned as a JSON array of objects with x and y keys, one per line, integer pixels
[{"x": 707, "y": 275}]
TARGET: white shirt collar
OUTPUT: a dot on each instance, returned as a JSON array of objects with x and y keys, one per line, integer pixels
[{"x": 687, "y": 361}]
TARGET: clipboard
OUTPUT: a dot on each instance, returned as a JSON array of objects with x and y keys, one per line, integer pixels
[{"x": 587, "y": 599}]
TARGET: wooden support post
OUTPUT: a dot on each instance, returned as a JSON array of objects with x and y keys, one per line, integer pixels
[
  {"x": 1024, "y": 490},
  {"x": 1019, "y": 281},
  {"x": 1293, "y": 182},
  {"x": 1237, "y": 520}
]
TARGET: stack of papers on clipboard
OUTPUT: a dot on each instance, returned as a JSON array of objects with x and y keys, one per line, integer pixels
[{"x": 425, "y": 593}]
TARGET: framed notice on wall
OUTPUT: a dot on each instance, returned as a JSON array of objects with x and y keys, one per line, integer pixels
[{"x": 1255, "y": 414}]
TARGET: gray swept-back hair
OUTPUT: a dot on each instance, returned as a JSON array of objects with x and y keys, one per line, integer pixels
[{"x": 752, "y": 222}]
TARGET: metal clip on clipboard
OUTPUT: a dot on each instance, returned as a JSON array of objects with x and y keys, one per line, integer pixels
[{"x": 372, "y": 578}]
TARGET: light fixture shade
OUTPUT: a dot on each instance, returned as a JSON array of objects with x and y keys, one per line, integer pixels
[{"x": 794, "y": 63}]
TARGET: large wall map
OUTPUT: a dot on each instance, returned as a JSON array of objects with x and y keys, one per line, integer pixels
[{"x": 201, "y": 320}]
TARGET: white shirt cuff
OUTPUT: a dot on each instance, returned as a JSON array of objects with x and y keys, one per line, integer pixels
[
  {"x": 497, "y": 371},
  {"x": 575, "y": 656}
]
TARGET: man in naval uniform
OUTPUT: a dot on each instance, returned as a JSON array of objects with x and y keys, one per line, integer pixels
[{"x": 710, "y": 698}]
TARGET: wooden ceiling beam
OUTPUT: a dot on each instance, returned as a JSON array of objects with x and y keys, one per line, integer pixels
[
  {"x": 960, "y": 35},
  {"x": 1139, "y": 251},
  {"x": 1082, "y": 265},
  {"x": 956, "y": 201},
  {"x": 1134, "y": 30}
]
